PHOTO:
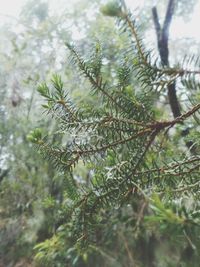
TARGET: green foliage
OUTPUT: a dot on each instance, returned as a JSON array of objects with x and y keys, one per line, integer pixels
[
  {"x": 35, "y": 136},
  {"x": 124, "y": 145},
  {"x": 120, "y": 186}
]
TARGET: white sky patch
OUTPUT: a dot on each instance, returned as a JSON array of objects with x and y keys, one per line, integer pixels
[
  {"x": 11, "y": 7},
  {"x": 135, "y": 3},
  {"x": 179, "y": 29}
]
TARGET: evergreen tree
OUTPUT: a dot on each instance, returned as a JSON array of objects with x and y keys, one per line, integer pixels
[{"x": 142, "y": 165}]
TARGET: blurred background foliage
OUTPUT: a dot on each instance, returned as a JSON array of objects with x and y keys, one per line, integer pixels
[{"x": 32, "y": 192}]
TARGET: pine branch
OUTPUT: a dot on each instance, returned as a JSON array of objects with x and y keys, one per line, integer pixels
[
  {"x": 124, "y": 135},
  {"x": 98, "y": 83},
  {"x": 188, "y": 187},
  {"x": 138, "y": 42},
  {"x": 164, "y": 124},
  {"x": 171, "y": 167}
]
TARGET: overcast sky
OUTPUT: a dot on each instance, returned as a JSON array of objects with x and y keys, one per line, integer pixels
[
  {"x": 11, "y": 7},
  {"x": 180, "y": 28}
]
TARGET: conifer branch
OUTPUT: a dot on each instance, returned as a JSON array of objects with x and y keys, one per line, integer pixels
[
  {"x": 188, "y": 187},
  {"x": 138, "y": 42},
  {"x": 98, "y": 84},
  {"x": 124, "y": 134},
  {"x": 170, "y": 167}
]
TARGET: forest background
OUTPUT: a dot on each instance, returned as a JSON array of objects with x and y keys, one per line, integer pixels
[{"x": 33, "y": 192}]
